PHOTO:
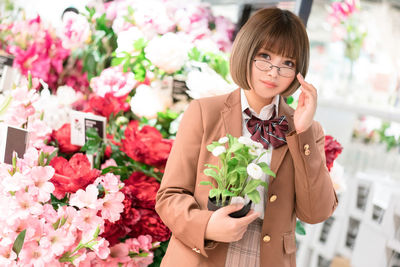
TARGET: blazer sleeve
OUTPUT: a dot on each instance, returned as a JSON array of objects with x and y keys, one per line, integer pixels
[
  {"x": 175, "y": 203},
  {"x": 315, "y": 196}
]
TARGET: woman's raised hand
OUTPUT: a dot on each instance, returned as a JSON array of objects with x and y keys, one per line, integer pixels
[{"x": 304, "y": 113}]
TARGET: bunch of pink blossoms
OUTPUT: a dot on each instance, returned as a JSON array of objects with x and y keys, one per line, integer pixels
[{"x": 59, "y": 235}]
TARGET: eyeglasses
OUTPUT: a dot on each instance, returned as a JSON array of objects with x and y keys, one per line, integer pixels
[{"x": 264, "y": 65}]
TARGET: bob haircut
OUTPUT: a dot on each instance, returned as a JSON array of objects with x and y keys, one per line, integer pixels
[{"x": 279, "y": 31}]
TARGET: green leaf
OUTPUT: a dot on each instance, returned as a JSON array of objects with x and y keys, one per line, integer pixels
[
  {"x": 19, "y": 242},
  {"x": 211, "y": 173},
  {"x": 254, "y": 196},
  {"x": 214, "y": 192},
  {"x": 227, "y": 193},
  {"x": 253, "y": 184},
  {"x": 235, "y": 147},
  {"x": 300, "y": 228},
  {"x": 266, "y": 169},
  {"x": 206, "y": 183}
]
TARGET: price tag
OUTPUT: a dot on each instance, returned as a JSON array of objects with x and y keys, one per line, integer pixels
[
  {"x": 81, "y": 122},
  {"x": 12, "y": 139}
]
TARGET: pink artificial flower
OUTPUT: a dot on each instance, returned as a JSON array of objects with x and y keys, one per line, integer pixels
[
  {"x": 39, "y": 132},
  {"x": 34, "y": 254},
  {"x": 113, "y": 80},
  {"x": 112, "y": 206},
  {"x": 74, "y": 31},
  {"x": 49, "y": 214},
  {"x": 87, "y": 220},
  {"x": 68, "y": 214},
  {"x": 111, "y": 182},
  {"x": 57, "y": 240},
  {"x": 7, "y": 255},
  {"x": 16, "y": 182},
  {"x": 26, "y": 205},
  {"x": 29, "y": 160},
  {"x": 86, "y": 198},
  {"x": 108, "y": 163},
  {"x": 101, "y": 248},
  {"x": 42, "y": 187}
]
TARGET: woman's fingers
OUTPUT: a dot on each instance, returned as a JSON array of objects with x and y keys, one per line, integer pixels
[{"x": 308, "y": 87}]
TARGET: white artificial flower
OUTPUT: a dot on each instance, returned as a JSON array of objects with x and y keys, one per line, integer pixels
[
  {"x": 147, "y": 101},
  {"x": 223, "y": 140},
  {"x": 337, "y": 177},
  {"x": 254, "y": 171},
  {"x": 67, "y": 95},
  {"x": 245, "y": 140},
  {"x": 168, "y": 52},
  {"x": 218, "y": 150},
  {"x": 206, "y": 82},
  {"x": 126, "y": 40}
]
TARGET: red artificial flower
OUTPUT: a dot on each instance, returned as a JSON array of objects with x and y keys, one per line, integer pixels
[
  {"x": 72, "y": 175},
  {"x": 138, "y": 217},
  {"x": 63, "y": 137},
  {"x": 150, "y": 224},
  {"x": 332, "y": 150},
  {"x": 146, "y": 145},
  {"x": 108, "y": 104},
  {"x": 144, "y": 188}
]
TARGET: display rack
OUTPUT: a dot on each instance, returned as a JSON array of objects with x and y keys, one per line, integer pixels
[{"x": 365, "y": 228}]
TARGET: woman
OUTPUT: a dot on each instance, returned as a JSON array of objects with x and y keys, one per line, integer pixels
[{"x": 268, "y": 61}]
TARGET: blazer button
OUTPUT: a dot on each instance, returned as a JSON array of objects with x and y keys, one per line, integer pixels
[
  {"x": 266, "y": 238},
  {"x": 306, "y": 146},
  {"x": 307, "y": 152},
  {"x": 273, "y": 198},
  {"x": 196, "y": 250}
]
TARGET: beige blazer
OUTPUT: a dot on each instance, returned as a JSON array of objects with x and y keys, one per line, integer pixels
[{"x": 302, "y": 187}]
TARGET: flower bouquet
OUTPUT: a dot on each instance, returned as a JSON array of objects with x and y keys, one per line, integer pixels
[{"x": 238, "y": 174}]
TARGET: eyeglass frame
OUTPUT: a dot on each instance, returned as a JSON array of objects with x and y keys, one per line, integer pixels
[{"x": 271, "y": 67}]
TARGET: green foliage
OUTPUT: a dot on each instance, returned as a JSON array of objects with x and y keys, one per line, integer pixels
[
  {"x": 217, "y": 62},
  {"x": 159, "y": 254},
  {"x": 231, "y": 174},
  {"x": 300, "y": 228},
  {"x": 19, "y": 242},
  {"x": 390, "y": 140},
  {"x": 94, "y": 146}
]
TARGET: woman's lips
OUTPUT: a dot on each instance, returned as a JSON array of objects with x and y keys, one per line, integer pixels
[{"x": 269, "y": 84}]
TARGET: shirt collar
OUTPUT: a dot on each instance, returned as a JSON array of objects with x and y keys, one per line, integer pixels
[{"x": 265, "y": 112}]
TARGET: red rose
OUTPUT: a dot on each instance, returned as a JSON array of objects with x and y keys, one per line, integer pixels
[
  {"x": 144, "y": 188},
  {"x": 150, "y": 224},
  {"x": 63, "y": 137},
  {"x": 72, "y": 175},
  {"x": 113, "y": 232},
  {"x": 108, "y": 104},
  {"x": 146, "y": 145},
  {"x": 332, "y": 150}
]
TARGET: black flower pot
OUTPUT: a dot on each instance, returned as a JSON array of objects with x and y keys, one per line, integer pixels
[{"x": 212, "y": 205}]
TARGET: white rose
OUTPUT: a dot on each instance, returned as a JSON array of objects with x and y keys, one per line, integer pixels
[
  {"x": 168, "y": 52},
  {"x": 218, "y": 150},
  {"x": 127, "y": 38},
  {"x": 254, "y": 171},
  {"x": 223, "y": 140},
  {"x": 206, "y": 82},
  {"x": 147, "y": 101}
]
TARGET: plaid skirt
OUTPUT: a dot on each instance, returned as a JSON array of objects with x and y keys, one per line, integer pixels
[{"x": 246, "y": 251}]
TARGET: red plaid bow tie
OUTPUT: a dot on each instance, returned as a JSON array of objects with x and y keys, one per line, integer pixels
[{"x": 267, "y": 132}]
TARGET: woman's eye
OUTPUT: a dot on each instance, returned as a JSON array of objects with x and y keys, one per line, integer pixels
[
  {"x": 265, "y": 56},
  {"x": 289, "y": 64}
]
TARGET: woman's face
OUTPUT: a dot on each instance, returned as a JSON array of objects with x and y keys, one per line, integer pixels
[{"x": 268, "y": 83}]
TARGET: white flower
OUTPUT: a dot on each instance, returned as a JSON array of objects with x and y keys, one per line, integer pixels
[
  {"x": 168, "y": 52},
  {"x": 147, "y": 101},
  {"x": 206, "y": 82},
  {"x": 218, "y": 150},
  {"x": 254, "y": 171},
  {"x": 245, "y": 140},
  {"x": 223, "y": 140},
  {"x": 126, "y": 40}
]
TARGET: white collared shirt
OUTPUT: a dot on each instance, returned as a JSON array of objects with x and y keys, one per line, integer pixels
[{"x": 265, "y": 114}]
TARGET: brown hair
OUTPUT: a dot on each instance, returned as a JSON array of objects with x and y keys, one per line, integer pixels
[{"x": 279, "y": 31}]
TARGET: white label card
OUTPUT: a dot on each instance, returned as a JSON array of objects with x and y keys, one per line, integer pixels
[
  {"x": 81, "y": 122},
  {"x": 12, "y": 139}
]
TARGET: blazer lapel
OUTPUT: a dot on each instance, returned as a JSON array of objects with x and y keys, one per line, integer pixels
[
  {"x": 232, "y": 114},
  {"x": 279, "y": 153}
]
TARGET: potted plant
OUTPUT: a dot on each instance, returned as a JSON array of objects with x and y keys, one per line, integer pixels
[{"x": 238, "y": 173}]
